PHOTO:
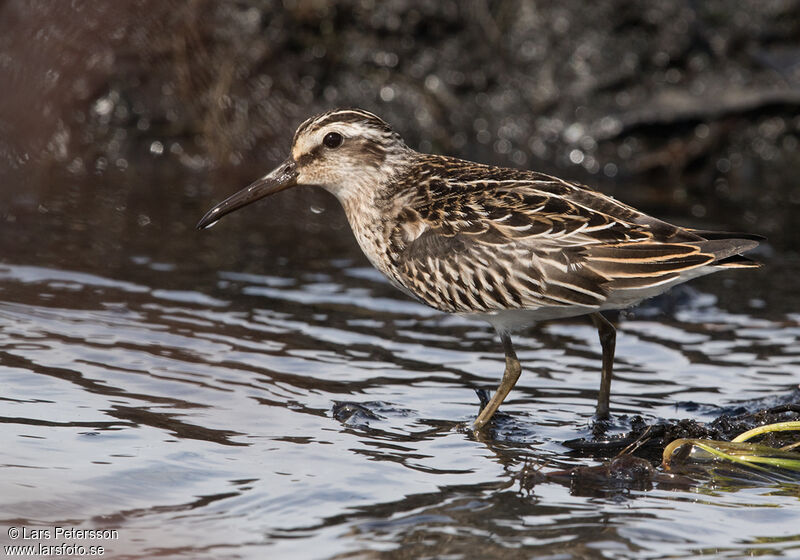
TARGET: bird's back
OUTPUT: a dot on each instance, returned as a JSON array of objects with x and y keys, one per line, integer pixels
[{"x": 472, "y": 238}]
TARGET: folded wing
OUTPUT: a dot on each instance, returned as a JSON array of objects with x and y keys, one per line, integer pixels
[{"x": 534, "y": 241}]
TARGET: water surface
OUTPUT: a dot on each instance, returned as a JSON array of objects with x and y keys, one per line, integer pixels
[{"x": 257, "y": 390}]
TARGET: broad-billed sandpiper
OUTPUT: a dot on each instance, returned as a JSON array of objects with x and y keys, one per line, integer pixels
[{"x": 510, "y": 246}]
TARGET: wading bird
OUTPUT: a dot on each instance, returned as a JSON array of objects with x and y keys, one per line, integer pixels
[{"x": 510, "y": 246}]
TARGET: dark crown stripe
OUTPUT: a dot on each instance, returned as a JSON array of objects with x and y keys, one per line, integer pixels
[{"x": 343, "y": 116}]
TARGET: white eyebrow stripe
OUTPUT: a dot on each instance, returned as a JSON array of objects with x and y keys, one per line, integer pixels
[{"x": 311, "y": 138}]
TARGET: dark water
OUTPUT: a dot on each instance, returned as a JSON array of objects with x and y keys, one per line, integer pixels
[{"x": 258, "y": 391}]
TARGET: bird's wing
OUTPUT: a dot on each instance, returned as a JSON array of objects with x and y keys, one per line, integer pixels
[{"x": 530, "y": 242}]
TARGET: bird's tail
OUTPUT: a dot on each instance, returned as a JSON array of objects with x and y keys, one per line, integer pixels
[{"x": 728, "y": 247}]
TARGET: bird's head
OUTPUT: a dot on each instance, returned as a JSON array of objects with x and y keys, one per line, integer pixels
[{"x": 347, "y": 152}]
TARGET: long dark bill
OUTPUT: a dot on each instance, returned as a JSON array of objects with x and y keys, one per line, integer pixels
[{"x": 280, "y": 178}]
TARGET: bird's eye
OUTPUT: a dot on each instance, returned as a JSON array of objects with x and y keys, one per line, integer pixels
[{"x": 333, "y": 140}]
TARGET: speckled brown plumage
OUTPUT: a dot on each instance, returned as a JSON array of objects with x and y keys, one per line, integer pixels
[
  {"x": 508, "y": 245},
  {"x": 473, "y": 238}
]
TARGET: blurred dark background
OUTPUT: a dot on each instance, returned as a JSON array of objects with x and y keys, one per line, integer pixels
[{"x": 122, "y": 122}]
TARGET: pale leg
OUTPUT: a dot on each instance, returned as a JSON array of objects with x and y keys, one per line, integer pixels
[{"x": 510, "y": 377}]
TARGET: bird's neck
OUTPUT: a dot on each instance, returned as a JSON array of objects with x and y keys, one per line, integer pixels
[
  {"x": 371, "y": 204},
  {"x": 371, "y": 194}
]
